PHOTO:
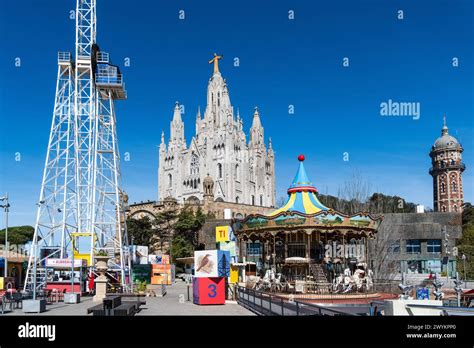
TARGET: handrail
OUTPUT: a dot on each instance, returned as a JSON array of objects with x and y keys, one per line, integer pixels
[
  {"x": 298, "y": 305},
  {"x": 108, "y": 79},
  {"x": 451, "y": 308}
]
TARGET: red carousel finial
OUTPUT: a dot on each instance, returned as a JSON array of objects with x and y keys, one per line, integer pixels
[{"x": 301, "y": 158}]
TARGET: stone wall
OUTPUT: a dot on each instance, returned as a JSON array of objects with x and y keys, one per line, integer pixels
[{"x": 239, "y": 210}]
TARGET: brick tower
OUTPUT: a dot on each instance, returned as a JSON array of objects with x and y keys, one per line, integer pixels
[{"x": 446, "y": 170}]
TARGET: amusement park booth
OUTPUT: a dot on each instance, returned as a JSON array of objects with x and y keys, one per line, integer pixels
[{"x": 59, "y": 272}]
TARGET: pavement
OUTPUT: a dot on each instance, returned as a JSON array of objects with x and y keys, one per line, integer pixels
[{"x": 173, "y": 303}]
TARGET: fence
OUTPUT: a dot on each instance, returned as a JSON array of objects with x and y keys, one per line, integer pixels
[{"x": 267, "y": 304}]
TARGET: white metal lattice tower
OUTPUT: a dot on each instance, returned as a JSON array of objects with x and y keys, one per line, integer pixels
[{"x": 81, "y": 191}]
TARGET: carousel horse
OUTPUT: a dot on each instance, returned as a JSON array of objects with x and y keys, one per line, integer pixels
[
  {"x": 359, "y": 281},
  {"x": 266, "y": 282}
]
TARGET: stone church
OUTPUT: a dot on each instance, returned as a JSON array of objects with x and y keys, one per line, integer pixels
[{"x": 236, "y": 170}]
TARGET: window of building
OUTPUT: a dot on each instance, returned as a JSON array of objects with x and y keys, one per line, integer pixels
[
  {"x": 455, "y": 207},
  {"x": 433, "y": 246},
  {"x": 394, "y": 246},
  {"x": 194, "y": 164},
  {"x": 443, "y": 208},
  {"x": 261, "y": 199},
  {"x": 253, "y": 200},
  {"x": 237, "y": 199},
  {"x": 414, "y": 266},
  {"x": 219, "y": 170},
  {"x": 170, "y": 180},
  {"x": 413, "y": 246},
  {"x": 253, "y": 248},
  {"x": 454, "y": 187},
  {"x": 237, "y": 175},
  {"x": 443, "y": 187}
]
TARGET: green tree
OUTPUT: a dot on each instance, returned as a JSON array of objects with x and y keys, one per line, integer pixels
[
  {"x": 188, "y": 224},
  {"x": 141, "y": 231},
  {"x": 17, "y": 235},
  {"x": 164, "y": 221},
  {"x": 181, "y": 247},
  {"x": 466, "y": 243}
]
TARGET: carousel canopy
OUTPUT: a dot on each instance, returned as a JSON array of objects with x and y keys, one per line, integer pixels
[
  {"x": 301, "y": 194},
  {"x": 303, "y": 210}
]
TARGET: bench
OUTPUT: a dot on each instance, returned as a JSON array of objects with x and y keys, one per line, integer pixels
[
  {"x": 115, "y": 305},
  {"x": 97, "y": 310},
  {"x": 125, "y": 309}
]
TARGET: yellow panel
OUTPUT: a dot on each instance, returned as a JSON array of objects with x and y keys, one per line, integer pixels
[
  {"x": 287, "y": 206},
  {"x": 234, "y": 275},
  {"x": 222, "y": 233},
  {"x": 309, "y": 207}
]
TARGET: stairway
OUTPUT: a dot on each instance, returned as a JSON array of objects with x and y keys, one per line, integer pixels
[
  {"x": 40, "y": 279},
  {"x": 317, "y": 271}
]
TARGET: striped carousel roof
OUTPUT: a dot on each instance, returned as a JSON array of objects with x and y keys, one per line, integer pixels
[{"x": 301, "y": 194}]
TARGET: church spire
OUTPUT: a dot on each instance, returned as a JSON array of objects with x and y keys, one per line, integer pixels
[
  {"x": 256, "y": 119},
  {"x": 444, "y": 130},
  {"x": 177, "y": 127},
  {"x": 256, "y": 131},
  {"x": 177, "y": 113}
]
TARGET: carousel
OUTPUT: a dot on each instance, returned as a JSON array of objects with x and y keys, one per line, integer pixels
[{"x": 305, "y": 246}]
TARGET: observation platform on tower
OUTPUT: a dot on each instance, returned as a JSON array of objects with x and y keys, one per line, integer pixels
[{"x": 108, "y": 78}]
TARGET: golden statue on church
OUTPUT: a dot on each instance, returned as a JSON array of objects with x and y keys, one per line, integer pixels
[{"x": 215, "y": 60}]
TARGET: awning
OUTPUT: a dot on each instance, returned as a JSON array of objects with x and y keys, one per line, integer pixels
[
  {"x": 186, "y": 260},
  {"x": 296, "y": 260}
]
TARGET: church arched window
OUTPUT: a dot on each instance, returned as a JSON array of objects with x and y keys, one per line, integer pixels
[
  {"x": 253, "y": 200},
  {"x": 443, "y": 187},
  {"x": 219, "y": 170},
  {"x": 237, "y": 199},
  {"x": 194, "y": 164},
  {"x": 237, "y": 174},
  {"x": 454, "y": 187},
  {"x": 261, "y": 199},
  {"x": 170, "y": 180}
]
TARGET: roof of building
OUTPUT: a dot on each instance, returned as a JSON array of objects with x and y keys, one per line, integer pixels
[
  {"x": 301, "y": 194},
  {"x": 446, "y": 140}
]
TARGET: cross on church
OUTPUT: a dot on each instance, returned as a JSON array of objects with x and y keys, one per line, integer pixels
[{"x": 215, "y": 60}]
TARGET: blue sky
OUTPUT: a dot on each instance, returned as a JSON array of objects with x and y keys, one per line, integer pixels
[{"x": 282, "y": 62}]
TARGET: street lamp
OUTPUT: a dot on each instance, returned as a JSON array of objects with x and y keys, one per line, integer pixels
[{"x": 5, "y": 206}]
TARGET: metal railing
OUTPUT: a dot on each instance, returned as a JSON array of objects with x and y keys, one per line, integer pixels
[
  {"x": 64, "y": 56},
  {"x": 266, "y": 304},
  {"x": 102, "y": 57},
  {"x": 108, "y": 79}
]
